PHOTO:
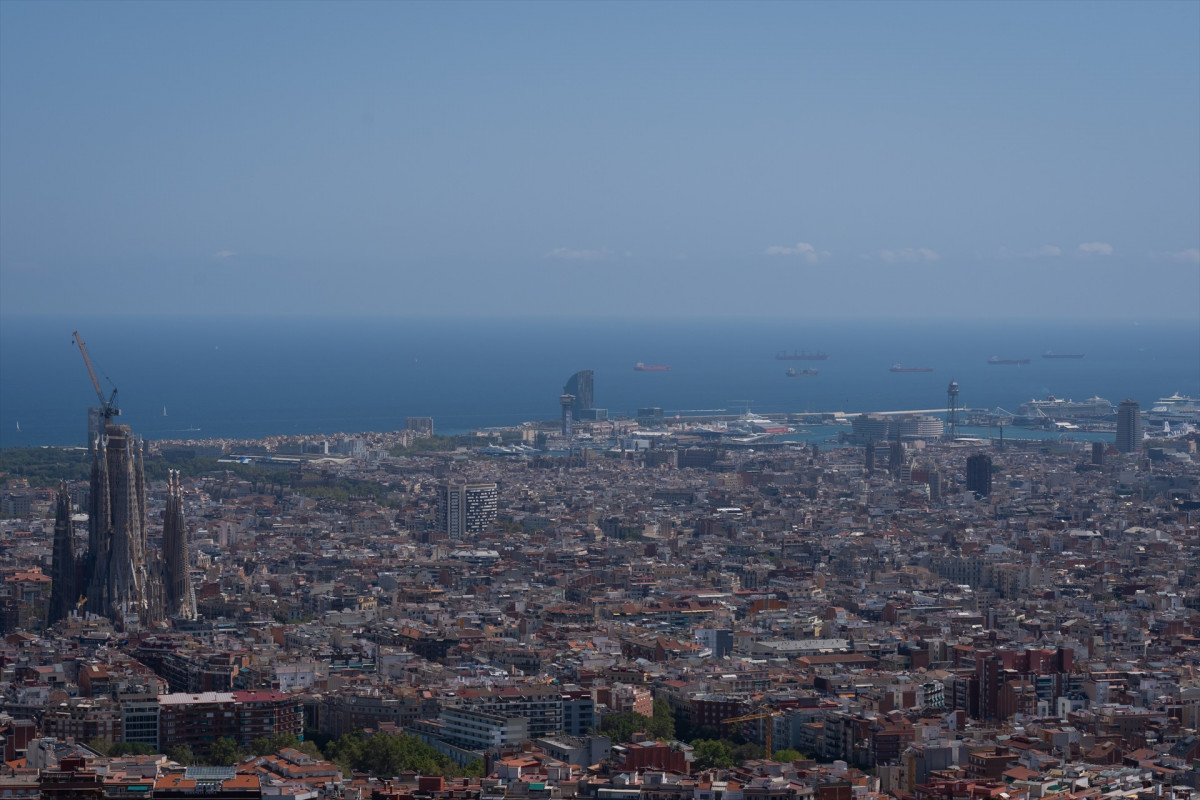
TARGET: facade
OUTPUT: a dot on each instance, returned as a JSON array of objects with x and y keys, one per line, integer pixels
[
  {"x": 472, "y": 729},
  {"x": 466, "y": 508},
  {"x": 979, "y": 474},
  {"x": 1129, "y": 427},
  {"x": 199, "y": 720}
]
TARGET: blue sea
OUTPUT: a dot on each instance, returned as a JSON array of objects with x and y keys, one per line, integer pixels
[{"x": 245, "y": 378}]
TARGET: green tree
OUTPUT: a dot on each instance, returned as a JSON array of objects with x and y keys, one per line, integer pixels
[
  {"x": 131, "y": 749},
  {"x": 101, "y": 745},
  {"x": 747, "y": 751},
  {"x": 621, "y": 727},
  {"x": 182, "y": 754},
  {"x": 224, "y": 752},
  {"x": 662, "y": 724},
  {"x": 711, "y": 754},
  {"x": 787, "y": 755}
]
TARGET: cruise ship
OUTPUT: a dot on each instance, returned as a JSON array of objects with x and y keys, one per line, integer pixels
[
  {"x": 1057, "y": 408},
  {"x": 1176, "y": 409}
]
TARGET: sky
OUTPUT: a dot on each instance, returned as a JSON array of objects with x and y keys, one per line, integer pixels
[{"x": 904, "y": 159}]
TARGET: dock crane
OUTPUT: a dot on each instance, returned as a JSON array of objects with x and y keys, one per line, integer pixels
[
  {"x": 108, "y": 406},
  {"x": 769, "y": 715}
]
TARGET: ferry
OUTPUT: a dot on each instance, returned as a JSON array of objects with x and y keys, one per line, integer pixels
[
  {"x": 998, "y": 360},
  {"x": 902, "y": 368},
  {"x": 640, "y": 367},
  {"x": 792, "y": 372}
]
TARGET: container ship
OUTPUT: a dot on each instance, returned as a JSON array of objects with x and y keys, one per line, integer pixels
[
  {"x": 1050, "y": 354},
  {"x": 792, "y": 372},
  {"x": 800, "y": 355},
  {"x": 902, "y": 368},
  {"x": 998, "y": 360},
  {"x": 640, "y": 367}
]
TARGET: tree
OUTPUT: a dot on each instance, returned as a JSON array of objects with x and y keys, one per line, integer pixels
[
  {"x": 182, "y": 754},
  {"x": 131, "y": 749},
  {"x": 101, "y": 745},
  {"x": 621, "y": 727},
  {"x": 224, "y": 752},
  {"x": 711, "y": 754},
  {"x": 787, "y": 755},
  {"x": 662, "y": 724}
]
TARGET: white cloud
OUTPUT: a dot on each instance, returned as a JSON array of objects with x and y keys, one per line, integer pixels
[
  {"x": 909, "y": 254},
  {"x": 1095, "y": 249},
  {"x": 1045, "y": 251},
  {"x": 809, "y": 253},
  {"x": 224, "y": 254},
  {"x": 577, "y": 255},
  {"x": 1191, "y": 255}
]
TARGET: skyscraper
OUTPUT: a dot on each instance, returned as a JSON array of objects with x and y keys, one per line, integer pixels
[
  {"x": 979, "y": 474},
  {"x": 580, "y": 387},
  {"x": 466, "y": 508},
  {"x": 63, "y": 590},
  {"x": 179, "y": 598},
  {"x": 1129, "y": 427},
  {"x": 119, "y": 582},
  {"x": 567, "y": 402}
]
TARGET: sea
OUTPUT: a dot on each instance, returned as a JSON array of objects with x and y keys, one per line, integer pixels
[{"x": 243, "y": 378}]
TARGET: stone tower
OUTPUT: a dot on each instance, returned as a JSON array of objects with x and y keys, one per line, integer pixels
[
  {"x": 179, "y": 599},
  {"x": 64, "y": 590}
]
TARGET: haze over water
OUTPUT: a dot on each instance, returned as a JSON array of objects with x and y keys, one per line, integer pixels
[{"x": 243, "y": 378}]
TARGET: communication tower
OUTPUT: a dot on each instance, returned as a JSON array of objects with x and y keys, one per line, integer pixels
[{"x": 952, "y": 410}]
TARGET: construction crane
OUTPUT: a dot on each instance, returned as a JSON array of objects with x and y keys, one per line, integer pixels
[
  {"x": 109, "y": 406},
  {"x": 769, "y": 715}
]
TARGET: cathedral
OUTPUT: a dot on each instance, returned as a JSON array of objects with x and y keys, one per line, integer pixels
[{"x": 120, "y": 577}]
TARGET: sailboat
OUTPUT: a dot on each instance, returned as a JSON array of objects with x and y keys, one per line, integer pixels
[
  {"x": 18, "y": 426},
  {"x": 164, "y": 411}
]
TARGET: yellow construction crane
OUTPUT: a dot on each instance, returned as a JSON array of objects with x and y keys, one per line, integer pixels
[{"x": 769, "y": 715}]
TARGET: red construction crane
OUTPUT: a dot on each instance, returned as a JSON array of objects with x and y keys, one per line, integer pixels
[{"x": 109, "y": 405}]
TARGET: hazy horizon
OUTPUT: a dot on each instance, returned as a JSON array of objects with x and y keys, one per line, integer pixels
[{"x": 906, "y": 160}]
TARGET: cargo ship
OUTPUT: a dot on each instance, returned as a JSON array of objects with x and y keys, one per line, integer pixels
[
  {"x": 640, "y": 367},
  {"x": 792, "y": 372},
  {"x": 998, "y": 360},
  {"x": 800, "y": 355},
  {"x": 1051, "y": 354},
  {"x": 902, "y": 368}
]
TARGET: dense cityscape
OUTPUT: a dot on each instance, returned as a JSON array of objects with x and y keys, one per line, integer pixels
[{"x": 642, "y": 608}]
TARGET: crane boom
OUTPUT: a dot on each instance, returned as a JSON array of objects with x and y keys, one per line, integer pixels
[{"x": 109, "y": 405}]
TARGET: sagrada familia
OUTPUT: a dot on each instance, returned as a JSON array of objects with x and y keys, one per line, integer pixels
[{"x": 119, "y": 576}]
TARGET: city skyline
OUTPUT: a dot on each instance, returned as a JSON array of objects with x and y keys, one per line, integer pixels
[{"x": 716, "y": 160}]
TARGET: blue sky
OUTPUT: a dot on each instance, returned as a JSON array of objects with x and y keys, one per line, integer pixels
[{"x": 709, "y": 159}]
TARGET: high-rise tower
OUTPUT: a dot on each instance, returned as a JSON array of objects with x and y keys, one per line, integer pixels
[
  {"x": 466, "y": 508},
  {"x": 567, "y": 402},
  {"x": 979, "y": 474},
  {"x": 179, "y": 598},
  {"x": 63, "y": 591},
  {"x": 1129, "y": 427},
  {"x": 581, "y": 386}
]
